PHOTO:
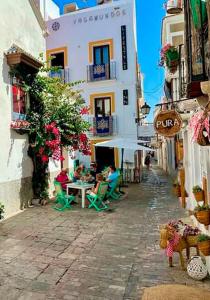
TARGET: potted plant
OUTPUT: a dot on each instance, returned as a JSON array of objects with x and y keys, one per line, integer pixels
[
  {"x": 198, "y": 193},
  {"x": 204, "y": 244},
  {"x": 191, "y": 235},
  {"x": 1, "y": 210},
  {"x": 169, "y": 56},
  {"x": 177, "y": 188},
  {"x": 202, "y": 214}
]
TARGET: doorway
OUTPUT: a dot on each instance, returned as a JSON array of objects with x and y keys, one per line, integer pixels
[{"x": 104, "y": 157}]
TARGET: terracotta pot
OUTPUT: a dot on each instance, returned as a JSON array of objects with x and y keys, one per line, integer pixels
[
  {"x": 199, "y": 196},
  {"x": 204, "y": 247},
  {"x": 177, "y": 190},
  {"x": 203, "y": 217}
]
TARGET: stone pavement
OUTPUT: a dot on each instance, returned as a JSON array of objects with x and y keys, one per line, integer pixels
[{"x": 82, "y": 254}]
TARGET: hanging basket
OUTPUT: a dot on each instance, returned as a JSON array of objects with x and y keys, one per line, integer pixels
[
  {"x": 196, "y": 268},
  {"x": 199, "y": 196},
  {"x": 204, "y": 247},
  {"x": 203, "y": 217},
  {"x": 174, "y": 6}
]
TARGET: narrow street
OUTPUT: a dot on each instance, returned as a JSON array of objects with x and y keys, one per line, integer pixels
[{"x": 81, "y": 254}]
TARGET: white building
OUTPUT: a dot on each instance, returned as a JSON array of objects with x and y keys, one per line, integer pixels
[
  {"x": 173, "y": 34},
  {"x": 98, "y": 46},
  {"x": 21, "y": 25}
]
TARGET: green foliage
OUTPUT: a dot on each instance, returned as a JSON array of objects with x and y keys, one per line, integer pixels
[
  {"x": 197, "y": 189},
  {"x": 203, "y": 238},
  {"x": 55, "y": 117},
  {"x": 202, "y": 208}
]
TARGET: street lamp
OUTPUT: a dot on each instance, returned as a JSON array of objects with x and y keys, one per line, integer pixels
[
  {"x": 145, "y": 109},
  {"x": 144, "y": 112}
]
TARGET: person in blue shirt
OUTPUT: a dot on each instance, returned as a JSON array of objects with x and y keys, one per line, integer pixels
[{"x": 112, "y": 177}]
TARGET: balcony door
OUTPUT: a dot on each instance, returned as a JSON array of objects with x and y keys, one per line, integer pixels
[
  {"x": 101, "y": 62},
  {"x": 101, "y": 55},
  {"x": 58, "y": 60},
  {"x": 103, "y": 107}
]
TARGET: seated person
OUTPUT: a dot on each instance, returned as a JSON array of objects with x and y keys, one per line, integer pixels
[
  {"x": 112, "y": 177},
  {"x": 77, "y": 174},
  {"x": 99, "y": 179},
  {"x": 63, "y": 178},
  {"x": 88, "y": 178},
  {"x": 83, "y": 169},
  {"x": 93, "y": 170}
]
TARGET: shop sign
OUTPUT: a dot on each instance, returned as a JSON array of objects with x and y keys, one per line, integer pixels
[
  {"x": 101, "y": 17},
  {"x": 168, "y": 123},
  {"x": 125, "y": 97},
  {"x": 124, "y": 48}
]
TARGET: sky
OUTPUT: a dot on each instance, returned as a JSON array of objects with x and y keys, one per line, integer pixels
[{"x": 149, "y": 15}]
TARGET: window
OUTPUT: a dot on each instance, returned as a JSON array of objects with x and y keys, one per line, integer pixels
[
  {"x": 101, "y": 55},
  {"x": 102, "y": 107},
  {"x": 58, "y": 60},
  {"x": 19, "y": 103}
]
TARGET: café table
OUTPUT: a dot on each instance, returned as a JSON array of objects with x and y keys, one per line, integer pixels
[{"x": 83, "y": 187}]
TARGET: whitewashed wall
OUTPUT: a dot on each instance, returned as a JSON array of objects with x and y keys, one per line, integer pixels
[
  {"x": 75, "y": 34},
  {"x": 18, "y": 25}
]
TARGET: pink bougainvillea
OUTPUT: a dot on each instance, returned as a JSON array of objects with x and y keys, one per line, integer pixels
[{"x": 84, "y": 110}]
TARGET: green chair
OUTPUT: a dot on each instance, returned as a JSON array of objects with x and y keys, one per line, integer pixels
[
  {"x": 112, "y": 193},
  {"x": 71, "y": 175},
  {"x": 96, "y": 201},
  {"x": 62, "y": 200}
]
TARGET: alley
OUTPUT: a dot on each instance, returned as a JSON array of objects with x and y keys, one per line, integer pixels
[{"x": 81, "y": 254}]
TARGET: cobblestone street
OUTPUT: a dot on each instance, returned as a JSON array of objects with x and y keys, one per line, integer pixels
[{"x": 82, "y": 254}]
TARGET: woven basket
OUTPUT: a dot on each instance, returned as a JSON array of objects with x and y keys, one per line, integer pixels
[
  {"x": 192, "y": 240},
  {"x": 199, "y": 196},
  {"x": 196, "y": 268},
  {"x": 203, "y": 217},
  {"x": 204, "y": 247}
]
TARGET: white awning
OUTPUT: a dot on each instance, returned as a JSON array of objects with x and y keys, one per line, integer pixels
[{"x": 124, "y": 144}]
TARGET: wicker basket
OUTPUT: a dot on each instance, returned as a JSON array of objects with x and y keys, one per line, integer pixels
[
  {"x": 203, "y": 217},
  {"x": 204, "y": 247},
  {"x": 196, "y": 268},
  {"x": 177, "y": 190},
  {"x": 192, "y": 240},
  {"x": 199, "y": 196}
]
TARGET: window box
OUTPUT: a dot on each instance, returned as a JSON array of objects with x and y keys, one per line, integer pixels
[{"x": 20, "y": 126}]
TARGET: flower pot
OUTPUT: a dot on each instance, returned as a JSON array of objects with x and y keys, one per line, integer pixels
[
  {"x": 204, "y": 247},
  {"x": 192, "y": 240},
  {"x": 174, "y": 6},
  {"x": 177, "y": 190},
  {"x": 199, "y": 196},
  {"x": 203, "y": 217}
]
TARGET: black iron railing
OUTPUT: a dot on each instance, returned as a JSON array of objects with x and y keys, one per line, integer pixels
[
  {"x": 101, "y": 72},
  {"x": 103, "y": 126}
]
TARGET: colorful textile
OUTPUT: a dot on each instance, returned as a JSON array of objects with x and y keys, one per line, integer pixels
[
  {"x": 196, "y": 123},
  {"x": 172, "y": 244},
  {"x": 62, "y": 178}
]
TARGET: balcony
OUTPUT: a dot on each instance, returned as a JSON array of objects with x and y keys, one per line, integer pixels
[
  {"x": 63, "y": 74},
  {"x": 101, "y": 72},
  {"x": 103, "y": 126},
  {"x": 197, "y": 49}
]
